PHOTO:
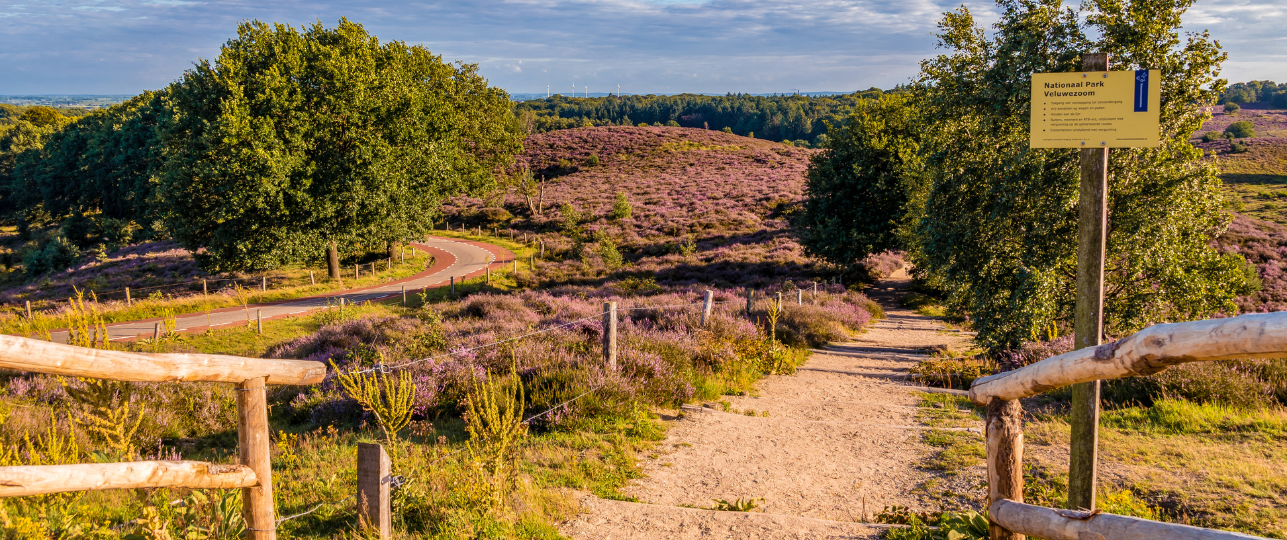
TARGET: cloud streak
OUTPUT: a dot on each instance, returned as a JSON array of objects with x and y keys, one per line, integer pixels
[{"x": 125, "y": 46}]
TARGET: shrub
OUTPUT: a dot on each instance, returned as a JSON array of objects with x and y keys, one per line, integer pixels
[
  {"x": 672, "y": 123},
  {"x": 1240, "y": 130},
  {"x": 727, "y": 129},
  {"x": 1212, "y": 136},
  {"x": 593, "y": 160},
  {"x": 497, "y": 215},
  {"x": 1231, "y": 108},
  {"x": 1280, "y": 101},
  {"x": 621, "y": 208},
  {"x": 57, "y": 254}
]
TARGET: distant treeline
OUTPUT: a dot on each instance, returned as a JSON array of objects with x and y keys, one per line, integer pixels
[
  {"x": 800, "y": 119},
  {"x": 1256, "y": 92}
]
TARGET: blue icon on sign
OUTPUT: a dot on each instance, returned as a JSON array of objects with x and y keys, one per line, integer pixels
[{"x": 1141, "y": 90}]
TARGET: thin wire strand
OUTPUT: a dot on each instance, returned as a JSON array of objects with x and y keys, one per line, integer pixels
[{"x": 279, "y": 522}]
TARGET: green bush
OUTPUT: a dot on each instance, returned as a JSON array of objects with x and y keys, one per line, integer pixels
[
  {"x": 621, "y": 209},
  {"x": 1212, "y": 136},
  {"x": 727, "y": 129},
  {"x": 1241, "y": 130},
  {"x": 672, "y": 123},
  {"x": 57, "y": 254},
  {"x": 1231, "y": 108}
]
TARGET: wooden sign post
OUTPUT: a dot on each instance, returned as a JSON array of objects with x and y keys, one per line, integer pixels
[{"x": 1093, "y": 110}]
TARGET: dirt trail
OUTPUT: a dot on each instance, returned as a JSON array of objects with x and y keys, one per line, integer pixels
[{"x": 841, "y": 436}]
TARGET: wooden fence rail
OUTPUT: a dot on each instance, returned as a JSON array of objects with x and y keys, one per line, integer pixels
[
  {"x": 253, "y": 474},
  {"x": 1259, "y": 335}
]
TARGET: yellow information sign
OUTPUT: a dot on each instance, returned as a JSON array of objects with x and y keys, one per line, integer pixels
[{"x": 1096, "y": 109}]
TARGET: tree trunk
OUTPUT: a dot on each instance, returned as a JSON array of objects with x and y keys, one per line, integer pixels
[{"x": 333, "y": 260}]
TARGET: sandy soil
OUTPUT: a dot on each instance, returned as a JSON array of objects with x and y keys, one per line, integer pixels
[{"x": 840, "y": 442}]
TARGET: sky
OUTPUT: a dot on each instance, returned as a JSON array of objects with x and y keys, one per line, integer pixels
[{"x": 671, "y": 46}]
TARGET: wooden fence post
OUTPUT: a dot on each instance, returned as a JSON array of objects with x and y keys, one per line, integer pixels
[
  {"x": 253, "y": 451},
  {"x": 707, "y": 299},
  {"x": 1092, "y": 227},
  {"x": 799, "y": 296},
  {"x": 1005, "y": 458},
  {"x": 29, "y": 310},
  {"x": 259, "y": 320},
  {"x": 156, "y": 333},
  {"x": 204, "y": 290},
  {"x": 128, "y": 301},
  {"x": 610, "y": 334},
  {"x": 515, "y": 265},
  {"x": 749, "y": 295},
  {"x": 357, "y": 273},
  {"x": 453, "y": 285},
  {"x": 542, "y": 249},
  {"x": 311, "y": 279},
  {"x": 815, "y": 289},
  {"x": 374, "y": 478},
  {"x": 263, "y": 285},
  {"x": 531, "y": 261},
  {"x": 489, "y": 273},
  {"x": 780, "y": 301}
]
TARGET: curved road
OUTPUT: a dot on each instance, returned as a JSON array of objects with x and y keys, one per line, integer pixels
[{"x": 453, "y": 258}]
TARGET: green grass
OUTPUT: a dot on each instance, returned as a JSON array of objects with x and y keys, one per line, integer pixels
[
  {"x": 956, "y": 450},
  {"x": 1198, "y": 464}
]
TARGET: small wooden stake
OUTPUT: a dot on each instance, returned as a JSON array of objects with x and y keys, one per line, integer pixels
[
  {"x": 357, "y": 273},
  {"x": 531, "y": 261},
  {"x": 542, "y": 249},
  {"x": 28, "y": 309},
  {"x": 489, "y": 274},
  {"x": 404, "y": 295},
  {"x": 263, "y": 285},
  {"x": 749, "y": 295},
  {"x": 515, "y": 265},
  {"x": 311, "y": 280},
  {"x": 453, "y": 285},
  {"x": 204, "y": 291},
  {"x": 254, "y": 451},
  {"x": 374, "y": 505},
  {"x": 706, "y": 306},
  {"x": 799, "y": 296},
  {"x": 259, "y": 320},
  {"x": 128, "y": 301},
  {"x": 156, "y": 333},
  {"x": 610, "y": 334},
  {"x": 1005, "y": 458},
  {"x": 815, "y": 289}
]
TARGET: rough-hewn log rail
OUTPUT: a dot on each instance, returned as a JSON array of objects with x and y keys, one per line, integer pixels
[
  {"x": 23, "y": 354},
  {"x": 1053, "y": 524},
  {"x": 24, "y": 481},
  {"x": 1257, "y": 335}
]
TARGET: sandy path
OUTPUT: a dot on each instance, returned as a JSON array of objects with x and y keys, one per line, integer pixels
[{"x": 841, "y": 436}]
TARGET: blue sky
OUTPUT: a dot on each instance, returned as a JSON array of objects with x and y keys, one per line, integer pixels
[{"x": 126, "y": 46}]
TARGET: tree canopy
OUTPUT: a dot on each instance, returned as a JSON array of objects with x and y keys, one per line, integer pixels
[
  {"x": 993, "y": 222},
  {"x": 291, "y": 139}
]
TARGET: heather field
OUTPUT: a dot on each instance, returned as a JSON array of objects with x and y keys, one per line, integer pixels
[{"x": 704, "y": 207}]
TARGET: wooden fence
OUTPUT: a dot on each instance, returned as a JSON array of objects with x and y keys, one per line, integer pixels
[
  {"x": 253, "y": 473},
  {"x": 1261, "y": 335}
]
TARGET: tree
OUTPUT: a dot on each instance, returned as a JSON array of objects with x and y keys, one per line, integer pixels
[
  {"x": 859, "y": 186},
  {"x": 292, "y": 141},
  {"x": 998, "y": 227},
  {"x": 43, "y": 116},
  {"x": 1240, "y": 130}
]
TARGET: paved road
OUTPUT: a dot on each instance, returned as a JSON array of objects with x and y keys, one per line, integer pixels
[{"x": 453, "y": 258}]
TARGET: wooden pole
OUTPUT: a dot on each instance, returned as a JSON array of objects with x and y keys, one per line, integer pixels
[
  {"x": 156, "y": 333},
  {"x": 1092, "y": 229},
  {"x": 542, "y": 249},
  {"x": 205, "y": 291},
  {"x": 531, "y": 261},
  {"x": 357, "y": 273},
  {"x": 128, "y": 301},
  {"x": 259, "y": 320},
  {"x": 515, "y": 265},
  {"x": 750, "y": 294},
  {"x": 453, "y": 285},
  {"x": 404, "y": 295},
  {"x": 799, "y": 296},
  {"x": 254, "y": 451},
  {"x": 706, "y": 306},
  {"x": 374, "y": 504},
  {"x": 815, "y": 289},
  {"x": 263, "y": 285},
  {"x": 311, "y": 279},
  {"x": 1005, "y": 458},
  {"x": 28, "y": 309},
  {"x": 610, "y": 334},
  {"x": 489, "y": 274}
]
